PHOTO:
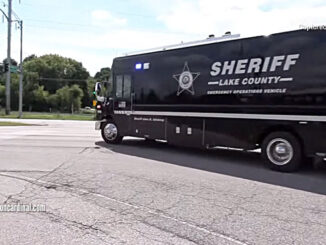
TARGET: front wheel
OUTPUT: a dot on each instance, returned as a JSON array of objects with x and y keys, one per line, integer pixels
[
  {"x": 110, "y": 133},
  {"x": 282, "y": 152}
]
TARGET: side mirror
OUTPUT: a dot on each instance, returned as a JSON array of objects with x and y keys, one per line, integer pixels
[
  {"x": 97, "y": 92},
  {"x": 98, "y": 88}
]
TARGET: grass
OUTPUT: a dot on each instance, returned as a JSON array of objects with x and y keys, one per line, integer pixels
[
  {"x": 9, "y": 124},
  {"x": 49, "y": 116}
]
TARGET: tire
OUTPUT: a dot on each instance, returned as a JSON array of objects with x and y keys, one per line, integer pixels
[
  {"x": 110, "y": 133},
  {"x": 147, "y": 140},
  {"x": 282, "y": 152}
]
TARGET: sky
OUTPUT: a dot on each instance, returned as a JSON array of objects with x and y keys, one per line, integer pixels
[{"x": 94, "y": 32}]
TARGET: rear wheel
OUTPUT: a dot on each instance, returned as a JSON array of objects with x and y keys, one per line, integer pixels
[
  {"x": 150, "y": 140},
  {"x": 110, "y": 133},
  {"x": 282, "y": 152}
]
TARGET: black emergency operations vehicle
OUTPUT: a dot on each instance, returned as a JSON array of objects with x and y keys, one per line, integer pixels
[{"x": 265, "y": 92}]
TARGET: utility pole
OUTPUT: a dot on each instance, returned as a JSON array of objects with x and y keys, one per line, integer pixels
[
  {"x": 8, "y": 59},
  {"x": 21, "y": 71}
]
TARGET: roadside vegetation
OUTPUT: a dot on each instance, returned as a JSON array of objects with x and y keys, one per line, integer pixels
[
  {"x": 9, "y": 124},
  {"x": 53, "y": 84},
  {"x": 49, "y": 116}
]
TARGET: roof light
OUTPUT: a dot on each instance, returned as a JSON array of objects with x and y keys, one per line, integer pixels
[
  {"x": 138, "y": 66},
  {"x": 146, "y": 66}
]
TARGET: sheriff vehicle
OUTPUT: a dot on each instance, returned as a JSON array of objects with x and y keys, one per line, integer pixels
[{"x": 265, "y": 92}]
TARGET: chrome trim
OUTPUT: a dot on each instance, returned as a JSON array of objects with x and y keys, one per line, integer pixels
[
  {"x": 321, "y": 154},
  {"x": 280, "y": 151},
  {"x": 110, "y": 131},
  {"x": 308, "y": 118},
  {"x": 98, "y": 124}
]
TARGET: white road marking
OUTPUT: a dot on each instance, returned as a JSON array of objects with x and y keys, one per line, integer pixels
[{"x": 146, "y": 209}]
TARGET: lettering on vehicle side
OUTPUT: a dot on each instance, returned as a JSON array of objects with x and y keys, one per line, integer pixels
[
  {"x": 260, "y": 65},
  {"x": 149, "y": 119},
  {"x": 254, "y": 65}
]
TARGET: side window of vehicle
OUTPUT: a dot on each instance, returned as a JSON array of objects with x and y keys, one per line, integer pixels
[
  {"x": 119, "y": 86},
  {"x": 126, "y": 86},
  {"x": 109, "y": 87}
]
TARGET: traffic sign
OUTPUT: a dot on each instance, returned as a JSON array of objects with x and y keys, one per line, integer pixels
[{"x": 13, "y": 69}]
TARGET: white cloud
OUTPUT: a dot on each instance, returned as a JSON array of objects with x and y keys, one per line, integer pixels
[
  {"x": 95, "y": 50},
  {"x": 251, "y": 17},
  {"x": 184, "y": 20},
  {"x": 123, "y": 39},
  {"x": 101, "y": 15},
  {"x": 105, "y": 18}
]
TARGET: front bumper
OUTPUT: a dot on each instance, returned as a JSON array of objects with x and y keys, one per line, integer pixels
[{"x": 98, "y": 124}]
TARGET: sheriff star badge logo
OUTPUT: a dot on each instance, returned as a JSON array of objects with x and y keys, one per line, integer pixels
[{"x": 186, "y": 80}]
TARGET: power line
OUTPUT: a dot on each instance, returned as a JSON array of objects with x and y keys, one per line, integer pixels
[
  {"x": 61, "y": 79},
  {"x": 16, "y": 16},
  {"x": 122, "y": 13},
  {"x": 98, "y": 28},
  {"x": 58, "y": 22},
  {"x": 88, "y": 26},
  {"x": 53, "y": 28}
]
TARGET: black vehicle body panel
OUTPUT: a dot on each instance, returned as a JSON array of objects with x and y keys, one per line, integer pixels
[{"x": 216, "y": 111}]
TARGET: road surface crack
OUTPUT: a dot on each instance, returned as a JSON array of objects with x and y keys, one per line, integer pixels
[{"x": 80, "y": 191}]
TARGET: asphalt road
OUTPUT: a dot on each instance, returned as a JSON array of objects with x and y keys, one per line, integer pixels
[{"x": 149, "y": 193}]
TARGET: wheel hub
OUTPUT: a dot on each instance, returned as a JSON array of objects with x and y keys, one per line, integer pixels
[
  {"x": 280, "y": 151},
  {"x": 110, "y": 131}
]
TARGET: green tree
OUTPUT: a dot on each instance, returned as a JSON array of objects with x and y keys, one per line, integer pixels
[
  {"x": 30, "y": 84},
  {"x": 103, "y": 75},
  {"x": 13, "y": 62},
  {"x": 62, "y": 98},
  {"x": 68, "y": 98},
  {"x": 14, "y": 91},
  {"x": 40, "y": 99},
  {"x": 90, "y": 89},
  {"x": 55, "y": 72},
  {"x": 53, "y": 82},
  {"x": 75, "y": 96},
  {"x": 29, "y": 58},
  {"x": 53, "y": 102},
  {"x": 2, "y": 95}
]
